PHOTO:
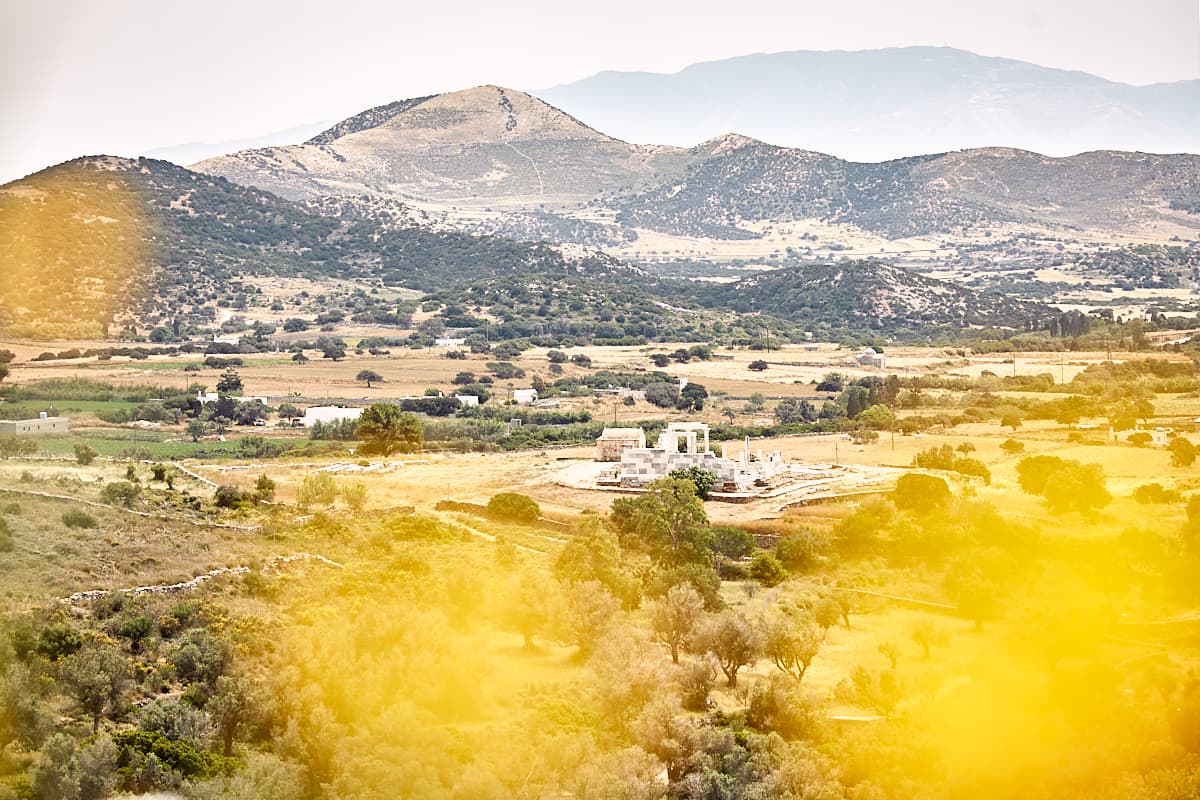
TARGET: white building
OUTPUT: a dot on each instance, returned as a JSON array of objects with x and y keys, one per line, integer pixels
[
  {"x": 524, "y": 397},
  {"x": 867, "y": 357},
  {"x": 44, "y": 424},
  {"x": 327, "y": 414},
  {"x": 467, "y": 400},
  {"x": 448, "y": 342}
]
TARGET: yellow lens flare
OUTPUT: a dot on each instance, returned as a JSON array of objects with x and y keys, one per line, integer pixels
[{"x": 76, "y": 250}]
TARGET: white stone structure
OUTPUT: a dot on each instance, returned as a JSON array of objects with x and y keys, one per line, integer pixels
[
  {"x": 448, "y": 342},
  {"x": 467, "y": 400},
  {"x": 679, "y": 446},
  {"x": 327, "y": 414}
]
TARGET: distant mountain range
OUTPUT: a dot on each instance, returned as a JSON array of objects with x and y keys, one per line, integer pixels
[
  {"x": 877, "y": 105},
  {"x": 492, "y": 148}
]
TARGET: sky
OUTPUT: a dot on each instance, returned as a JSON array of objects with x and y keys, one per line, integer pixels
[{"x": 125, "y": 77}]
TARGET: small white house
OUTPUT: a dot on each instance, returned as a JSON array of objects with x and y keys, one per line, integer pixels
[
  {"x": 868, "y": 357},
  {"x": 34, "y": 427},
  {"x": 448, "y": 342},
  {"x": 525, "y": 397},
  {"x": 327, "y": 414},
  {"x": 467, "y": 400}
]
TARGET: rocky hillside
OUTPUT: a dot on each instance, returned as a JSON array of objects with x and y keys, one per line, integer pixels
[
  {"x": 102, "y": 239},
  {"x": 735, "y": 180},
  {"x": 866, "y": 295},
  {"x": 877, "y": 105},
  {"x": 481, "y": 146}
]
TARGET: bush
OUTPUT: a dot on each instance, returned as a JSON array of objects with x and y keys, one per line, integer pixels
[
  {"x": 229, "y": 497},
  {"x": 75, "y": 518},
  {"x": 59, "y": 641},
  {"x": 1155, "y": 493},
  {"x": 84, "y": 454},
  {"x": 317, "y": 489},
  {"x": 799, "y": 552},
  {"x": 1012, "y": 447},
  {"x": 514, "y": 507},
  {"x": 920, "y": 493},
  {"x": 767, "y": 569},
  {"x": 122, "y": 493}
]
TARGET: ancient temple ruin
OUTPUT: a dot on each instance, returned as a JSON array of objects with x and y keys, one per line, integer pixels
[{"x": 686, "y": 444}]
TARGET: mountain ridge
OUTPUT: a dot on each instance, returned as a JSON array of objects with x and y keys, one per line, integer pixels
[{"x": 881, "y": 104}]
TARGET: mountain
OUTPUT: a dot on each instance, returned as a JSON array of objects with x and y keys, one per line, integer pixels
[
  {"x": 735, "y": 180},
  {"x": 195, "y": 151},
  {"x": 876, "y": 105},
  {"x": 479, "y": 147}
]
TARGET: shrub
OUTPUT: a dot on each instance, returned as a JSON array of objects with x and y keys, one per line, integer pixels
[
  {"x": 122, "y": 493},
  {"x": 229, "y": 497},
  {"x": 317, "y": 489},
  {"x": 920, "y": 493},
  {"x": 767, "y": 569},
  {"x": 514, "y": 507},
  {"x": 84, "y": 454},
  {"x": 1012, "y": 447},
  {"x": 58, "y": 641},
  {"x": 75, "y": 518}
]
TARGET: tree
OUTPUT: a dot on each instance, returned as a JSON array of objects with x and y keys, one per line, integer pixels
[
  {"x": 1066, "y": 484},
  {"x": 1183, "y": 452},
  {"x": 368, "y": 376},
  {"x": 57, "y": 774},
  {"x": 701, "y": 478},
  {"x": 85, "y": 454},
  {"x": 758, "y": 365},
  {"x": 289, "y": 411},
  {"x": 591, "y": 611},
  {"x": 732, "y": 639},
  {"x": 662, "y": 394},
  {"x": 674, "y": 617},
  {"x": 668, "y": 521},
  {"x": 231, "y": 706},
  {"x": 530, "y": 606},
  {"x": 229, "y": 383},
  {"x": 833, "y": 382},
  {"x": 96, "y": 677},
  {"x": 384, "y": 429},
  {"x": 791, "y": 643},
  {"x": 196, "y": 428},
  {"x": 556, "y": 356}
]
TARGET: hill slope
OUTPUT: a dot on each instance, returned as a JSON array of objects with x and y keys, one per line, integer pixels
[
  {"x": 733, "y": 180},
  {"x": 91, "y": 241},
  {"x": 875, "y": 105},
  {"x": 865, "y": 295}
]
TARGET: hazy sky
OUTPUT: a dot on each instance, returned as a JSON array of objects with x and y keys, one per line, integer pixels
[{"x": 126, "y": 76}]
